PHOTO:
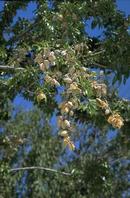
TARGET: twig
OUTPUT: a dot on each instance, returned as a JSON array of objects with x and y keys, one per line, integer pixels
[
  {"x": 40, "y": 168},
  {"x": 7, "y": 67},
  {"x": 98, "y": 52},
  {"x": 99, "y": 65}
]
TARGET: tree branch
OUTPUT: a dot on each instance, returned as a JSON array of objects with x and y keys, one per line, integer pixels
[
  {"x": 7, "y": 67},
  {"x": 40, "y": 168},
  {"x": 29, "y": 28},
  {"x": 98, "y": 52},
  {"x": 99, "y": 65}
]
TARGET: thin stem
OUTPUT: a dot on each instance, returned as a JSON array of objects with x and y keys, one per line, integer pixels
[
  {"x": 99, "y": 65},
  {"x": 40, "y": 168},
  {"x": 98, "y": 52},
  {"x": 7, "y": 67}
]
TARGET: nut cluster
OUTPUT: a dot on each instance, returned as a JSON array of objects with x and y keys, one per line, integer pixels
[
  {"x": 73, "y": 91},
  {"x": 114, "y": 118}
]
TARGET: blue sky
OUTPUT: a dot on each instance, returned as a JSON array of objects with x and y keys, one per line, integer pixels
[{"x": 124, "y": 5}]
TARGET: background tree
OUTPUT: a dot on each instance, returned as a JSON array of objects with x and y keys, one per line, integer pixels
[{"x": 51, "y": 61}]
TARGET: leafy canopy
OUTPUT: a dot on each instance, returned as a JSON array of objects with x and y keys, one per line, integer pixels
[{"x": 53, "y": 62}]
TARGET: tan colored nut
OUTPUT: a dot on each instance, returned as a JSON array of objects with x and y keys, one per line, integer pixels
[
  {"x": 55, "y": 82},
  {"x": 41, "y": 96},
  {"x": 65, "y": 110},
  {"x": 67, "y": 80},
  {"x": 60, "y": 121},
  {"x": 51, "y": 57},
  {"x": 42, "y": 67},
  {"x": 66, "y": 124},
  {"x": 64, "y": 133},
  {"x": 71, "y": 113},
  {"x": 46, "y": 63},
  {"x": 70, "y": 104},
  {"x": 107, "y": 112}
]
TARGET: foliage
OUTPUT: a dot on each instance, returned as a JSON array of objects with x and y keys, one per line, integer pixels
[
  {"x": 52, "y": 62},
  {"x": 27, "y": 141}
]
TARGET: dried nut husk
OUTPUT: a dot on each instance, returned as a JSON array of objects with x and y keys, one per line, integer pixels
[
  {"x": 42, "y": 67},
  {"x": 60, "y": 17},
  {"x": 41, "y": 96},
  {"x": 90, "y": 52},
  {"x": 83, "y": 69},
  {"x": 48, "y": 79},
  {"x": 103, "y": 89},
  {"x": 62, "y": 105},
  {"x": 71, "y": 113},
  {"x": 67, "y": 80},
  {"x": 51, "y": 57},
  {"x": 60, "y": 121},
  {"x": 53, "y": 63},
  {"x": 69, "y": 143},
  {"x": 116, "y": 120},
  {"x": 52, "y": 53},
  {"x": 74, "y": 88},
  {"x": 51, "y": 80},
  {"x": 77, "y": 47},
  {"x": 39, "y": 58},
  {"x": 107, "y": 112},
  {"x": 75, "y": 103},
  {"x": 69, "y": 104},
  {"x": 58, "y": 74},
  {"x": 66, "y": 124},
  {"x": 64, "y": 133},
  {"x": 55, "y": 82},
  {"x": 65, "y": 110},
  {"x": 46, "y": 63},
  {"x": 72, "y": 70},
  {"x": 74, "y": 85},
  {"x": 102, "y": 104},
  {"x": 46, "y": 52},
  {"x": 57, "y": 52},
  {"x": 63, "y": 53},
  {"x": 100, "y": 89}
]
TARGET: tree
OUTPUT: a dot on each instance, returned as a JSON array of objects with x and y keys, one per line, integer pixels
[
  {"x": 95, "y": 170},
  {"x": 54, "y": 69}
]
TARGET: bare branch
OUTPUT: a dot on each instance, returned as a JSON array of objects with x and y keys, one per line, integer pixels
[
  {"x": 98, "y": 52},
  {"x": 40, "y": 168},
  {"x": 99, "y": 65},
  {"x": 7, "y": 67}
]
